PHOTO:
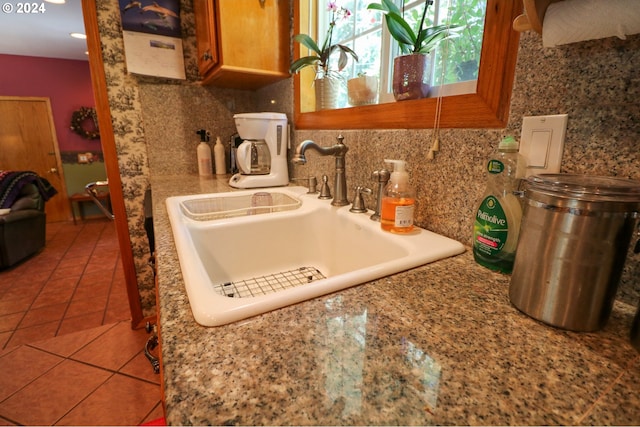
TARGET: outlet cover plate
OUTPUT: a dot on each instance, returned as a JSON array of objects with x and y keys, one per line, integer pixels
[{"x": 542, "y": 142}]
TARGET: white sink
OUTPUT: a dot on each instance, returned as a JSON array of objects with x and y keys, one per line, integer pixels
[{"x": 238, "y": 262}]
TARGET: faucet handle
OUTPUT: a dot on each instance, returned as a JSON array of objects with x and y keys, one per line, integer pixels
[
  {"x": 358, "y": 201},
  {"x": 312, "y": 183},
  {"x": 381, "y": 176},
  {"x": 325, "y": 192}
]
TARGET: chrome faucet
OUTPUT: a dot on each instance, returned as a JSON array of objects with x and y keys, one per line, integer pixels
[{"x": 338, "y": 151}]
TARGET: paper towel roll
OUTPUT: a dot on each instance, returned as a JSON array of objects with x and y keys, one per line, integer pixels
[{"x": 571, "y": 21}]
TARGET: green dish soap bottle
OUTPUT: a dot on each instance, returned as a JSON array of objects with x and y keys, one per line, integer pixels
[{"x": 497, "y": 221}]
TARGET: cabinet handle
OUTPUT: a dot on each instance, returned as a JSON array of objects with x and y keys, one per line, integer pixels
[
  {"x": 262, "y": 3},
  {"x": 207, "y": 56}
]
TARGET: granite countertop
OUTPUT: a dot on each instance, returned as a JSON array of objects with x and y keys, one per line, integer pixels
[{"x": 439, "y": 344}]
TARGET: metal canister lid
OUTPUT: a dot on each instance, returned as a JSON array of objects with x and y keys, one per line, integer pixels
[{"x": 622, "y": 192}]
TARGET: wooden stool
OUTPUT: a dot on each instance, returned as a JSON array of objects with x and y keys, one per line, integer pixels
[{"x": 81, "y": 198}]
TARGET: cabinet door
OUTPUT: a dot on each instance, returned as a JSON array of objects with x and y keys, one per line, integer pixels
[
  {"x": 206, "y": 36},
  {"x": 252, "y": 33},
  {"x": 249, "y": 41}
]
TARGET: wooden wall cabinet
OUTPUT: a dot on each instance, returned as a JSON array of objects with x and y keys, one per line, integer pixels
[{"x": 242, "y": 44}]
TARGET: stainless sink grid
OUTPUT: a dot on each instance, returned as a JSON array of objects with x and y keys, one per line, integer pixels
[{"x": 270, "y": 283}]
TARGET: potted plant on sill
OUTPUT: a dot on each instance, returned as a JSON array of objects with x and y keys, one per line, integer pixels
[
  {"x": 327, "y": 81},
  {"x": 362, "y": 90},
  {"x": 411, "y": 70}
]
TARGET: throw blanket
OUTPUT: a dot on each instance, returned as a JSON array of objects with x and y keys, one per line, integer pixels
[{"x": 11, "y": 183}]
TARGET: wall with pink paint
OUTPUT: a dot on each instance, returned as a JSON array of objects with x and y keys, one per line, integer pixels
[{"x": 66, "y": 82}]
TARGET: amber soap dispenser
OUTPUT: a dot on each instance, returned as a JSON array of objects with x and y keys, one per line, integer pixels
[{"x": 398, "y": 202}]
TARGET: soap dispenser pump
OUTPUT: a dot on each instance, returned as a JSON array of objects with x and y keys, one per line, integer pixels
[
  {"x": 204, "y": 154},
  {"x": 398, "y": 201}
]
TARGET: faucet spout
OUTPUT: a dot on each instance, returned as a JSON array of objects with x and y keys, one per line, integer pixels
[
  {"x": 339, "y": 151},
  {"x": 336, "y": 150}
]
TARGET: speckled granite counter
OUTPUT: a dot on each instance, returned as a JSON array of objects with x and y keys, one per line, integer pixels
[{"x": 439, "y": 344}]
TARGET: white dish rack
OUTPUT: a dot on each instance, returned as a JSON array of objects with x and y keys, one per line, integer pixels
[{"x": 211, "y": 208}]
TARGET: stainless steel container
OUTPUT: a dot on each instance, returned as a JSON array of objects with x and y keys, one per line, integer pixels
[{"x": 573, "y": 243}]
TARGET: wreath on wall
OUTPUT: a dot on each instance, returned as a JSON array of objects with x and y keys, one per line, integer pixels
[{"x": 80, "y": 118}]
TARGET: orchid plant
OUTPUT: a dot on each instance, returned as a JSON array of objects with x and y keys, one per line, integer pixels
[
  {"x": 410, "y": 41},
  {"x": 321, "y": 55}
]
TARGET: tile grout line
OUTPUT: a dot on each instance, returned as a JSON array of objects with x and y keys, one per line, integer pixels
[
  {"x": 159, "y": 404},
  {"x": 75, "y": 289},
  {"x": 12, "y": 421},
  {"x": 113, "y": 373},
  {"x": 88, "y": 395},
  {"x": 62, "y": 360},
  {"x": 111, "y": 285},
  {"x": 116, "y": 371},
  {"x": 13, "y": 332},
  {"x": 32, "y": 345},
  {"x": 68, "y": 237},
  {"x": 109, "y": 378}
]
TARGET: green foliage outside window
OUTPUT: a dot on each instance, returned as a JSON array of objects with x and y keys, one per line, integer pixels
[{"x": 463, "y": 52}]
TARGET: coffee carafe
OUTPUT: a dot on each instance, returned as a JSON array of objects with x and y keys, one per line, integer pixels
[
  {"x": 253, "y": 157},
  {"x": 262, "y": 156}
]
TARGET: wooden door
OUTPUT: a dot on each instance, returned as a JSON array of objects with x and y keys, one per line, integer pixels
[{"x": 28, "y": 142}]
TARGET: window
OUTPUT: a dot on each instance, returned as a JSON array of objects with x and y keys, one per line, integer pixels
[
  {"x": 455, "y": 61},
  {"x": 487, "y": 107}
]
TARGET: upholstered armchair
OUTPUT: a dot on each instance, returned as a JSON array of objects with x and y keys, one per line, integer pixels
[{"x": 23, "y": 228}]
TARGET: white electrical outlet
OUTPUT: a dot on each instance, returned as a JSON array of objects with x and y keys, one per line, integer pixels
[{"x": 542, "y": 142}]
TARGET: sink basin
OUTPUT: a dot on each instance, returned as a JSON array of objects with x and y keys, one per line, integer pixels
[{"x": 239, "y": 260}]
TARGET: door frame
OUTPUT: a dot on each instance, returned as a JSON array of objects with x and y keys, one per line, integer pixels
[{"x": 107, "y": 139}]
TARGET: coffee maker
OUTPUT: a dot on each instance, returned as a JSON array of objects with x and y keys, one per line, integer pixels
[{"x": 262, "y": 156}]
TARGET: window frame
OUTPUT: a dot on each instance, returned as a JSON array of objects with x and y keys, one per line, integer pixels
[{"x": 488, "y": 107}]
